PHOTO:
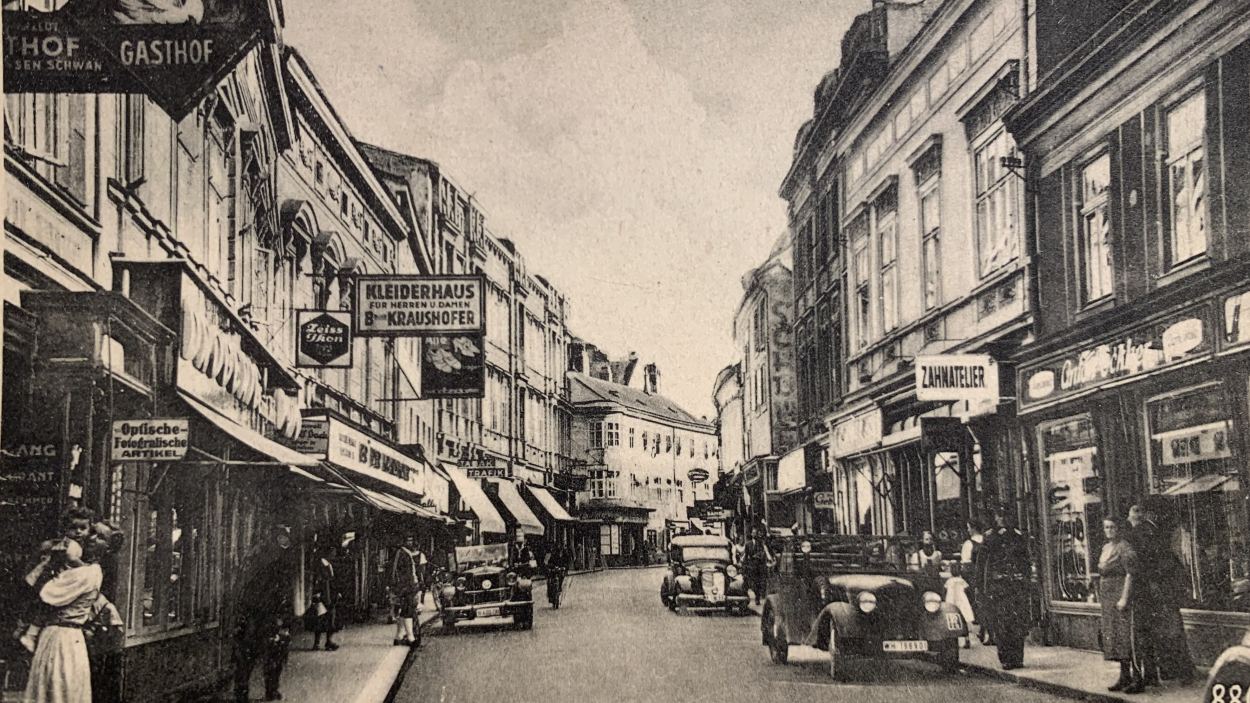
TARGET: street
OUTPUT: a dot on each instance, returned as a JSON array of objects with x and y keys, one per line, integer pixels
[{"x": 612, "y": 640}]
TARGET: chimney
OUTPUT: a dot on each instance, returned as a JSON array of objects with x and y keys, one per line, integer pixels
[{"x": 651, "y": 379}]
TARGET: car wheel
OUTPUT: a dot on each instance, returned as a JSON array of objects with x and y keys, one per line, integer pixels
[
  {"x": 668, "y": 603},
  {"x": 776, "y": 639},
  {"x": 837, "y": 659},
  {"x": 948, "y": 656}
]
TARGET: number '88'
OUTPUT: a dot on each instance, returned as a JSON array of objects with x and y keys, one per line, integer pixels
[{"x": 1234, "y": 694}]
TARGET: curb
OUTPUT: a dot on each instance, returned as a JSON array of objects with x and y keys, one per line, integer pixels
[
  {"x": 409, "y": 660},
  {"x": 1055, "y": 689}
]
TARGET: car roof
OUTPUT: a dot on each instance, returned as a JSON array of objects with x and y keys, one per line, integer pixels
[{"x": 700, "y": 541}]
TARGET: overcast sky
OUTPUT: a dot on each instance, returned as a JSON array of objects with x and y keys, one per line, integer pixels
[{"x": 633, "y": 150}]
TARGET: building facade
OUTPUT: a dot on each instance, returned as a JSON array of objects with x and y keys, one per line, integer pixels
[{"x": 1135, "y": 389}]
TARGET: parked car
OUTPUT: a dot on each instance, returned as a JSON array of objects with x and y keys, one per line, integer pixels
[
  {"x": 1229, "y": 678},
  {"x": 854, "y": 597},
  {"x": 701, "y": 573},
  {"x": 483, "y": 584}
]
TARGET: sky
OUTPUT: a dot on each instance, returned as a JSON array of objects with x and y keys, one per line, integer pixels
[{"x": 632, "y": 150}]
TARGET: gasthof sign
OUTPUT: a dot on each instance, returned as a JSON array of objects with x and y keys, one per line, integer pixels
[
  {"x": 149, "y": 440},
  {"x": 419, "y": 306},
  {"x": 945, "y": 377}
]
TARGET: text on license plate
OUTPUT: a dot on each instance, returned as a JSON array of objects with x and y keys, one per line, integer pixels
[
  {"x": 488, "y": 612},
  {"x": 905, "y": 646}
]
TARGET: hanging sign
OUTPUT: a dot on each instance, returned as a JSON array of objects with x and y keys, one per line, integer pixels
[
  {"x": 453, "y": 367},
  {"x": 149, "y": 440},
  {"x": 484, "y": 468},
  {"x": 697, "y": 476},
  {"x": 173, "y": 51},
  {"x": 323, "y": 339},
  {"x": 824, "y": 500},
  {"x": 952, "y": 377},
  {"x": 418, "y": 306}
]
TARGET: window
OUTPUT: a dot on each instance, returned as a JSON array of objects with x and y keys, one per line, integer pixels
[
  {"x": 679, "y": 446},
  {"x": 705, "y": 453},
  {"x": 631, "y": 438},
  {"x": 602, "y": 483},
  {"x": 176, "y": 571},
  {"x": 668, "y": 443},
  {"x": 862, "y": 310},
  {"x": 887, "y": 239},
  {"x": 931, "y": 239},
  {"x": 131, "y": 126},
  {"x": 645, "y": 440},
  {"x": 759, "y": 325},
  {"x": 596, "y": 435},
  {"x": 1186, "y": 179},
  {"x": 1094, "y": 230},
  {"x": 613, "y": 434},
  {"x": 1074, "y": 508},
  {"x": 997, "y": 204},
  {"x": 50, "y": 132},
  {"x": 1193, "y": 469}
]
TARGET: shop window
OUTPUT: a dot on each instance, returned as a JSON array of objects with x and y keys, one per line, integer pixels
[
  {"x": 1192, "y": 467},
  {"x": 609, "y": 540},
  {"x": 1094, "y": 229},
  {"x": 177, "y": 562},
  {"x": 1184, "y": 168},
  {"x": 1074, "y": 505}
]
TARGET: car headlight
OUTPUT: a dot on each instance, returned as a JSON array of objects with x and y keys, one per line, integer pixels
[
  {"x": 510, "y": 579},
  {"x": 932, "y": 602},
  {"x": 486, "y": 584},
  {"x": 731, "y": 571},
  {"x": 867, "y": 601},
  {"x": 805, "y": 547},
  {"x": 460, "y": 583}
]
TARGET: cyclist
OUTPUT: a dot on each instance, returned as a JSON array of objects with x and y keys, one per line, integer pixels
[{"x": 557, "y": 563}]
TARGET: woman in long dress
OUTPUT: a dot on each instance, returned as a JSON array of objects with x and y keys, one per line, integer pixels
[
  {"x": 60, "y": 671},
  {"x": 1116, "y": 564}
]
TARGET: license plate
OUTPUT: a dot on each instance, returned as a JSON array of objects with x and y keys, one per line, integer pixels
[
  {"x": 905, "y": 646},
  {"x": 715, "y": 597},
  {"x": 488, "y": 612}
]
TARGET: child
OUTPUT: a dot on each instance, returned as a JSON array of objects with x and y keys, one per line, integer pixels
[{"x": 56, "y": 555}]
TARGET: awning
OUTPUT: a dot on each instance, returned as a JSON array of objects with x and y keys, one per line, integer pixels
[
  {"x": 255, "y": 440},
  {"x": 792, "y": 469},
  {"x": 527, "y": 521},
  {"x": 472, "y": 494},
  {"x": 551, "y": 505},
  {"x": 1201, "y": 484}
]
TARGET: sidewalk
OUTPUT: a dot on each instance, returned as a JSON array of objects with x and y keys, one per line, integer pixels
[
  {"x": 363, "y": 670},
  {"x": 1072, "y": 673}
]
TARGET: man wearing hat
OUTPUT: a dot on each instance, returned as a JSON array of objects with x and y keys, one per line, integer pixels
[
  {"x": 265, "y": 612},
  {"x": 1004, "y": 585}
]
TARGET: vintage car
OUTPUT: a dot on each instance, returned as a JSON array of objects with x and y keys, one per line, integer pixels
[
  {"x": 855, "y": 597},
  {"x": 483, "y": 585},
  {"x": 701, "y": 573},
  {"x": 1229, "y": 678}
]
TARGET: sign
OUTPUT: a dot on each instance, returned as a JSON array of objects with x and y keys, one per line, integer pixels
[
  {"x": 149, "y": 440},
  {"x": 173, "y": 52},
  {"x": 1140, "y": 351},
  {"x": 314, "y": 437},
  {"x": 453, "y": 367},
  {"x": 856, "y": 432},
  {"x": 1237, "y": 320},
  {"x": 697, "y": 476},
  {"x": 419, "y": 306},
  {"x": 31, "y": 474},
  {"x": 824, "y": 500},
  {"x": 323, "y": 339},
  {"x": 355, "y": 450},
  {"x": 484, "y": 468},
  {"x": 953, "y": 377}
]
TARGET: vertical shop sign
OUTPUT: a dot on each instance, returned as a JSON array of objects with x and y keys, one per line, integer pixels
[
  {"x": 173, "y": 52},
  {"x": 31, "y": 477},
  {"x": 453, "y": 366}
]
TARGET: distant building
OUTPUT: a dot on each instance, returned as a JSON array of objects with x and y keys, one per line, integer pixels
[{"x": 645, "y": 455}]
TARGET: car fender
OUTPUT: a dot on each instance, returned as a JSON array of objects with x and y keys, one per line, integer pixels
[
  {"x": 843, "y": 616},
  {"x": 683, "y": 583},
  {"x": 945, "y": 623},
  {"x": 1229, "y": 669},
  {"x": 736, "y": 585}
]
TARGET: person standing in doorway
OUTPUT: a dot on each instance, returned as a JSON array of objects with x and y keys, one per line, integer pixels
[
  {"x": 265, "y": 608},
  {"x": 1116, "y": 566},
  {"x": 323, "y": 617},
  {"x": 1004, "y": 587},
  {"x": 407, "y": 588},
  {"x": 1161, "y": 649}
]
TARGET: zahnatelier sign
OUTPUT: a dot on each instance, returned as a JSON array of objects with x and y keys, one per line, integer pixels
[
  {"x": 419, "y": 306},
  {"x": 149, "y": 440},
  {"x": 948, "y": 377}
]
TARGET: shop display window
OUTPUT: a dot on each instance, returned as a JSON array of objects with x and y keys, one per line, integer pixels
[
  {"x": 1193, "y": 467},
  {"x": 1074, "y": 505}
]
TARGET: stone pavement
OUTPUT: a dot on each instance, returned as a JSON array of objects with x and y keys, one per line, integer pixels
[{"x": 1073, "y": 673}]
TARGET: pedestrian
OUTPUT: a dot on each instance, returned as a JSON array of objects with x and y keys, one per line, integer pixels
[
  {"x": 927, "y": 558},
  {"x": 755, "y": 561},
  {"x": 322, "y": 615},
  {"x": 523, "y": 561},
  {"x": 969, "y": 556},
  {"x": 60, "y": 671},
  {"x": 1161, "y": 650},
  {"x": 265, "y": 608},
  {"x": 407, "y": 588},
  {"x": 1005, "y": 588},
  {"x": 1116, "y": 566}
]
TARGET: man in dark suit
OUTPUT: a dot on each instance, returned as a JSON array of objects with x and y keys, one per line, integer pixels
[
  {"x": 1005, "y": 588},
  {"x": 265, "y": 613}
]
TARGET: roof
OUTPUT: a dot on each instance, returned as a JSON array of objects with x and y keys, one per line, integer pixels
[
  {"x": 700, "y": 541},
  {"x": 586, "y": 389}
]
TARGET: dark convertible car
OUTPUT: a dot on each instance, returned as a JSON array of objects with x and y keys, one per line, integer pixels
[
  {"x": 701, "y": 573},
  {"x": 483, "y": 585},
  {"x": 854, "y": 596}
]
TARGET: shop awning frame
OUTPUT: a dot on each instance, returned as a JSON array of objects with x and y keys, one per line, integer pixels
[
  {"x": 551, "y": 505},
  {"x": 527, "y": 522},
  {"x": 489, "y": 519},
  {"x": 257, "y": 442}
]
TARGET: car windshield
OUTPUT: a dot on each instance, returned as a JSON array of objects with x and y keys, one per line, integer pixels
[{"x": 696, "y": 553}]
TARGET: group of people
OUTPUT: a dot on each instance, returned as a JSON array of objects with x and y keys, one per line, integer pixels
[
  {"x": 65, "y": 610},
  {"x": 1141, "y": 582}
]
